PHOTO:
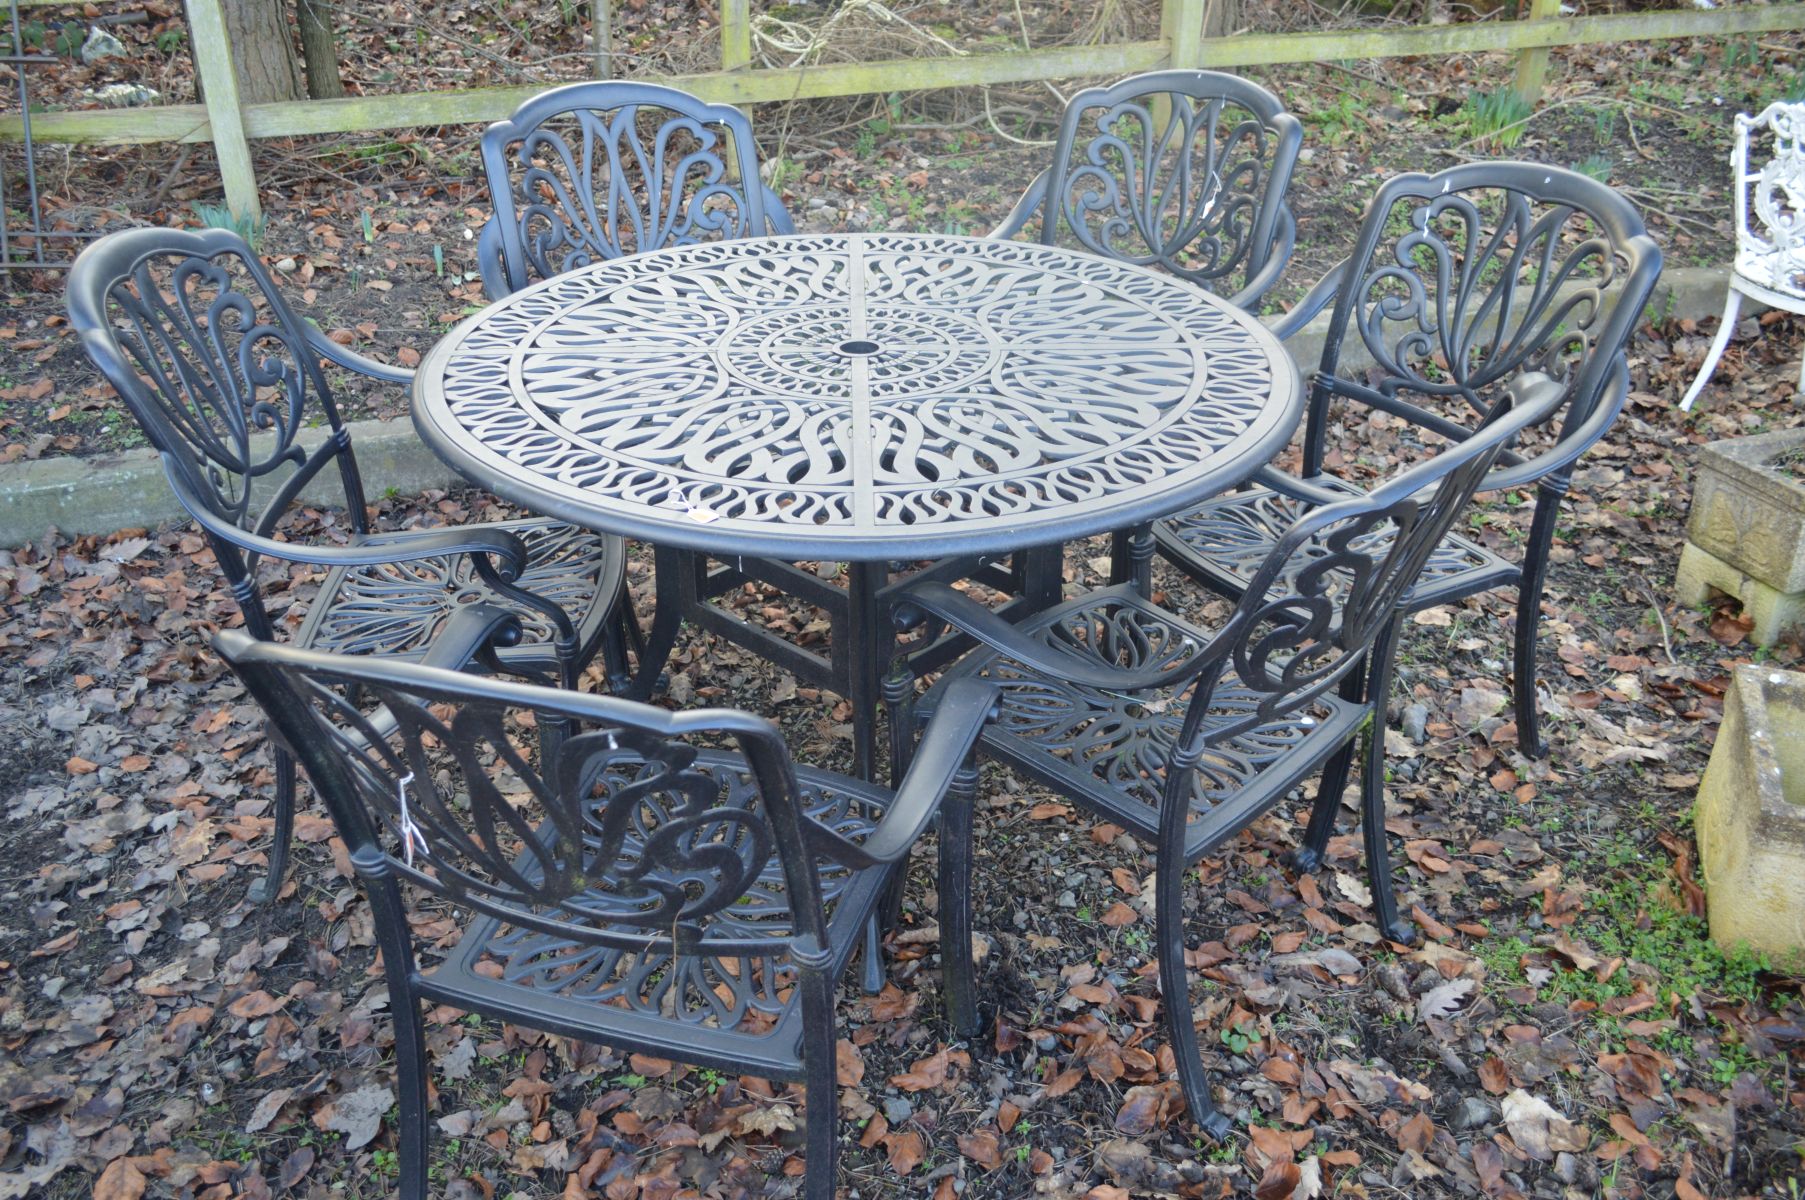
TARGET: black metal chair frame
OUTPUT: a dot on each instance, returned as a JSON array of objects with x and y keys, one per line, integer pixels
[
  {"x": 1489, "y": 328},
  {"x": 1224, "y": 195},
  {"x": 1224, "y": 191},
  {"x": 650, "y": 874},
  {"x": 201, "y": 382},
  {"x": 530, "y": 236},
  {"x": 1199, "y": 733}
]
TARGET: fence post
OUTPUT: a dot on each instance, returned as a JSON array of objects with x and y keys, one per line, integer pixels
[
  {"x": 1181, "y": 28},
  {"x": 601, "y": 32},
  {"x": 1532, "y": 64},
  {"x": 219, "y": 82},
  {"x": 736, "y": 35}
]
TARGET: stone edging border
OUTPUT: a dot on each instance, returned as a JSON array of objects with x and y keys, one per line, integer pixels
[{"x": 126, "y": 490}]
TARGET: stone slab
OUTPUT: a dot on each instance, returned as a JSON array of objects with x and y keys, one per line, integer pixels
[{"x": 126, "y": 490}]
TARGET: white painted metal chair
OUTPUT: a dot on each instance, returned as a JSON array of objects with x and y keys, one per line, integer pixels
[{"x": 1770, "y": 226}]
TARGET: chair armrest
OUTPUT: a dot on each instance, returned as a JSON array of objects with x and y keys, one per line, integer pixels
[
  {"x": 965, "y": 708},
  {"x": 1533, "y": 387},
  {"x": 1297, "y": 489},
  {"x": 491, "y": 259},
  {"x": 473, "y": 634},
  {"x": 374, "y": 550},
  {"x": 1284, "y": 240},
  {"x": 1314, "y": 301},
  {"x": 1023, "y": 212},
  {"x": 777, "y": 217},
  {"x": 973, "y": 619},
  {"x": 351, "y": 360}
]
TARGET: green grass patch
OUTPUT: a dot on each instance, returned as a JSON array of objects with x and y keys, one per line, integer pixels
[{"x": 1497, "y": 118}]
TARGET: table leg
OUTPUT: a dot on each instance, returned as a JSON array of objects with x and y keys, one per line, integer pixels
[
  {"x": 1131, "y": 558},
  {"x": 672, "y": 592},
  {"x": 1041, "y": 576},
  {"x": 864, "y": 658}
]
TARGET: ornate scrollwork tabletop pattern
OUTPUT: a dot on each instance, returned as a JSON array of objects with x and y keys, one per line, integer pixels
[{"x": 858, "y": 396}]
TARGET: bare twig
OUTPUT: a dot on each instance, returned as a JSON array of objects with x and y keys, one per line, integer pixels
[
  {"x": 1655, "y": 603},
  {"x": 169, "y": 178},
  {"x": 1647, "y": 204}
]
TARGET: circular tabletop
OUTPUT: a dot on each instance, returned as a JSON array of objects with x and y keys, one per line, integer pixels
[{"x": 857, "y": 397}]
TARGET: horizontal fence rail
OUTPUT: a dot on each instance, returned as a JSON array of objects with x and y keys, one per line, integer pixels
[{"x": 231, "y": 126}]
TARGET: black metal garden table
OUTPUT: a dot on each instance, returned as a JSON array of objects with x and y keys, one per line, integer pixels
[{"x": 868, "y": 399}]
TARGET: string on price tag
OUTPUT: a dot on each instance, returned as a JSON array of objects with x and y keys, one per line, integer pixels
[{"x": 410, "y": 832}]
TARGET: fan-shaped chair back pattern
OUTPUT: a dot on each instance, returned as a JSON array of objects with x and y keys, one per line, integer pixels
[
  {"x": 1184, "y": 170},
  {"x": 595, "y": 171}
]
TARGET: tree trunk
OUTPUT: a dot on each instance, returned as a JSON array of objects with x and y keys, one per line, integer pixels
[
  {"x": 320, "y": 50},
  {"x": 1221, "y": 18},
  {"x": 263, "y": 51}
]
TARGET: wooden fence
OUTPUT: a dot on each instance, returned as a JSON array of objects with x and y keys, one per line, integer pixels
[{"x": 230, "y": 125}]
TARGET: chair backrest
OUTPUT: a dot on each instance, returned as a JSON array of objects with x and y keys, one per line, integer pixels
[
  {"x": 1463, "y": 281},
  {"x": 1186, "y": 170},
  {"x": 189, "y": 329},
  {"x": 1768, "y": 164},
  {"x": 1318, "y": 603},
  {"x": 599, "y": 170},
  {"x": 619, "y": 870}
]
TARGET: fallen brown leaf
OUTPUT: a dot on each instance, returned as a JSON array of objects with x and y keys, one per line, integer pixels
[{"x": 906, "y": 1151}]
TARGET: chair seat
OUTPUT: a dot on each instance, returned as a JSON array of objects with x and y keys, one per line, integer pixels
[
  {"x": 1222, "y": 543},
  {"x": 397, "y": 609},
  {"x": 713, "y": 1008},
  {"x": 1773, "y": 271},
  {"x": 1110, "y": 750}
]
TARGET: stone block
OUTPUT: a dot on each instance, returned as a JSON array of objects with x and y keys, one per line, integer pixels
[
  {"x": 1750, "y": 816},
  {"x": 1775, "y": 613},
  {"x": 1750, "y": 514}
]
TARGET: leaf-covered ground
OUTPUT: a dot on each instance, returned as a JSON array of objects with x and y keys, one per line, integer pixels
[{"x": 1564, "y": 1028}]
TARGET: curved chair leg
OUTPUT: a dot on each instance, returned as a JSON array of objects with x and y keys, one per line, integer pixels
[
  {"x": 871, "y": 958},
  {"x": 267, "y": 888},
  {"x": 1529, "y": 617},
  {"x": 823, "y": 1118},
  {"x": 1726, "y": 325},
  {"x": 1174, "y": 986},
  {"x": 410, "y": 1084},
  {"x": 619, "y": 634},
  {"x": 899, "y": 703},
  {"x": 957, "y": 983},
  {"x": 1308, "y": 857},
  {"x": 1372, "y": 796}
]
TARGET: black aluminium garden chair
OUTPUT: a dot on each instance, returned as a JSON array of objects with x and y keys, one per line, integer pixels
[
  {"x": 1183, "y": 170},
  {"x": 662, "y": 883},
  {"x": 594, "y": 171},
  {"x": 1458, "y": 284},
  {"x": 224, "y": 379},
  {"x": 1185, "y": 736}
]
